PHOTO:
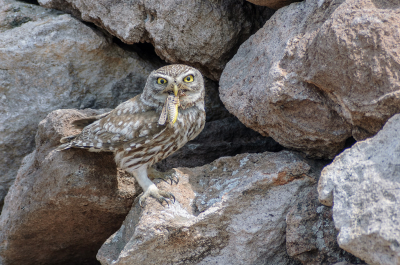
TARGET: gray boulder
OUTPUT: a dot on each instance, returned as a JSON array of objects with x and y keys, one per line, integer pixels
[
  {"x": 203, "y": 34},
  {"x": 317, "y": 73},
  {"x": 63, "y": 205},
  {"x": 50, "y": 60},
  {"x": 231, "y": 211},
  {"x": 363, "y": 185}
]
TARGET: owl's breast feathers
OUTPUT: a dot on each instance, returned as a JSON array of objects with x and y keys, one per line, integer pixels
[{"x": 133, "y": 126}]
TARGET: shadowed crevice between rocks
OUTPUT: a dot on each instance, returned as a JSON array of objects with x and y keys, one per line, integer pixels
[
  {"x": 33, "y": 2},
  {"x": 225, "y": 137},
  {"x": 146, "y": 51}
]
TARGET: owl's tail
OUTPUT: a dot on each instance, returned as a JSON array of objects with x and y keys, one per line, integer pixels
[{"x": 66, "y": 143}]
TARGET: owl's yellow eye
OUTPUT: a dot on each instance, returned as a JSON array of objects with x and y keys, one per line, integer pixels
[
  {"x": 188, "y": 79},
  {"x": 161, "y": 81}
]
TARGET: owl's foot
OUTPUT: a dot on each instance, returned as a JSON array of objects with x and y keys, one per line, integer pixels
[
  {"x": 160, "y": 195},
  {"x": 165, "y": 176}
]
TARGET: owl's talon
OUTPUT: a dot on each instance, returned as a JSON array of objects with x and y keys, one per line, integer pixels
[
  {"x": 161, "y": 200},
  {"x": 157, "y": 194},
  {"x": 177, "y": 179}
]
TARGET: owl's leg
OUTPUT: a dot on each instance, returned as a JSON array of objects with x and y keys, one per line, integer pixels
[
  {"x": 166, "y": 176},
  {"x": 149, "y": 189}
]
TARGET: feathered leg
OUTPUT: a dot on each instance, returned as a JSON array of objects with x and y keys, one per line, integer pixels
[{"x": 149, "y": 188}]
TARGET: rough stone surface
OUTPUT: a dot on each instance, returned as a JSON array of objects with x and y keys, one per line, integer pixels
[
  {"x": 203, "y": 34},
  {"x": 354, "y": 59},
  {"x": 48, "y": 61},
  {"x": 63, "y": 205},
  {"x": 317, "y": 73},
  {"x": 231, "y": 211},
  {"x": 274, "y": 4},
  {"x": 363, "y": 185},
  {"x": 311, "y": 233},
  {"x": 225, "y": 137}
]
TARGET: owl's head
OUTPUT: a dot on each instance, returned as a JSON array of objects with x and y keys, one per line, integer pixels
[{"x": 178, "y": 79}]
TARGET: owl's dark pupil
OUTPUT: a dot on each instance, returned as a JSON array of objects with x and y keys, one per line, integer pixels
[{"x": 187, "y": 78}]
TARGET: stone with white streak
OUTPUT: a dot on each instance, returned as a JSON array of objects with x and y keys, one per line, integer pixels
[
  {"x": 363, "y": 185},
  {"x": 231, "y": 211}
]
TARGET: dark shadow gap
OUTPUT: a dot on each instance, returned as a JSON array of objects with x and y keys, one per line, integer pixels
[
  {"x": 146, "y": 51},
  {"x": 349, "y": 143},
  {"x": 32, "y": 2}
]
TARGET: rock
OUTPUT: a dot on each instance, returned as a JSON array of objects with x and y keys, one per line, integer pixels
[
  {"x": 306, "y": 80},
  {"x": 274, "y": 4},
  {"x": 225, "y": 137},
  {"x": 311, "y": 234},
  {"x": 231, "y": 211},
  {"x": 203, "y": 34},
  {"x": 48, "y": 61},
  {"x": 354, "y": 60},
  {"x": 363, "y": 186},
  {"x": 63, "y": 205}
]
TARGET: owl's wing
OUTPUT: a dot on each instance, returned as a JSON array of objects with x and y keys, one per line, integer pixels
[{"x": 129, "y": 124}]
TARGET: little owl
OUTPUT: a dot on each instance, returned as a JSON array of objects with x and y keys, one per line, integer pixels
[{"x": 149, "y": 127}]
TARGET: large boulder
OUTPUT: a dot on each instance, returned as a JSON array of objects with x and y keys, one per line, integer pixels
[
  {"x": 317, "y": 73},
  {"x": 363, "y": 185},
  {"x": 203, "y": 34},
  {"x": 81, "y": 197},
  {"x": 63, "y": 205},
  {"x": 231, "y": 211},
  {"x": 50, "y": 60}
]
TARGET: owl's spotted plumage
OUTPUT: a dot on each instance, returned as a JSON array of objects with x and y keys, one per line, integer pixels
[{"x": 132, "y": 130}]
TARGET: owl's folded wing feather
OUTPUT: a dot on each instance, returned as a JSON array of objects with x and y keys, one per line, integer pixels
[{"x": 128, "y": 125}]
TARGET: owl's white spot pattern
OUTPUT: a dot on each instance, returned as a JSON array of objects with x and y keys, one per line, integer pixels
[
  {"x": 144, "y": 133},
  {"x": 155, "y": 149}
]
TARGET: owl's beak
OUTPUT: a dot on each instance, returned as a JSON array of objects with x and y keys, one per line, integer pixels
[{"x": 175, "y": 90}]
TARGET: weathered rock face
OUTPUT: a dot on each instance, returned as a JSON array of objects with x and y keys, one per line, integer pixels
[
  {"x": 306, "y": 80},
  {"x": 363, "y": 186},
  {"x": 203, "y": 34},
  {"x": 48, "y": 61},
  {"x": 274, "y": 4},
  {"x": 63, "y": 205},
  {"x": 231, "y": 211},
  {"x": 311, "y": 234},
  {"x": 354, "y": 59}
]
